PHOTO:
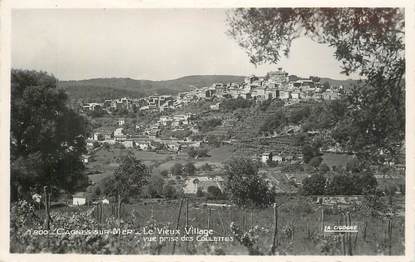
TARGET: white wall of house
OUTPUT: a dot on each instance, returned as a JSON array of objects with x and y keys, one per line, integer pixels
[{"x": 79, "y": 201}]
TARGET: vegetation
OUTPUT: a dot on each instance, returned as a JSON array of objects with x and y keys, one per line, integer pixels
[
  {"x": 375, "y": 123},
  {"x": 47, "y": 138},
  {"x": 128, "y": 178},
  {"x": 197, "y": 152},
  {"x": 206, "y": 125},
  {"x": 231, "y": 104},
  {"x": 245, "y": 187}
]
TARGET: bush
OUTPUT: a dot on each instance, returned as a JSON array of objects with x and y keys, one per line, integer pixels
[
  {"x": 214, "y": 192},
  {"x": 197, "y": 152},
  {"x": 309, "y": 151},
  {"x": 170, "y": 192},
  {"x": 324, "y": 168},
  {"x": 164, "y": 173},
  {"x": 352, "y": 184},
  {"x": 314, "y": 185},
  {"x": 200, "y": 193},
  {"x": 177, "y": 169},
  {"x": 189, "y": 169},
  {"x": 231, "y": 104},
  {"x": 316, "y": 161},
  {"x": 206, "y": 167},
  {"x": 245, "y": 187},
  {"x": 208, "y": 124}
]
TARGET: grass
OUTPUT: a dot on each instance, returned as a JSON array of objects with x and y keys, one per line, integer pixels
[
  {"x": 298, "y": 211},
  {"x": 338, "y": 160}
]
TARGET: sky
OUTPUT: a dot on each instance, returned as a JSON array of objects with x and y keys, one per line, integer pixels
[{"x": 153, "y": 44}]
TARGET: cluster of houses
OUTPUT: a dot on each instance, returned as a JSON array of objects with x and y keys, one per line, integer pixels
[
  {"x": 275, "y": 84},
  {"x": 148, "y": 138},
  {"x": 156, "y": 103}
]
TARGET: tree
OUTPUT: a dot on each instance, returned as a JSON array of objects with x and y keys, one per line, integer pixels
[
  {"x": 128, "y": 178},
  {"x": 315, "y": 161},
  {"x": 206, "y": 167},
  {"x": 155, "y": 187},
  {"x": 314, "y": 185},
  {"x": 245, "y": 187},
  {"x": 170, "y": 192},
  {"x": 189, "y": 169},
  {"x": 323, "y": 168},
  {"x": 352, "y": 184},
  {"x": 47, "y": 139},
  {"x": 97, "y": 191},
  {"x": 214, "y": 192},
  {"x": 177, "y": 169},
  {"x": 309, "y": 151},
  {"x": 367, "y": 41},
  {"x": 325, "y": 86},
  {"x": 164, "y": 173}
]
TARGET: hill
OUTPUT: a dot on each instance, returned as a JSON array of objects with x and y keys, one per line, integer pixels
[{"x": 101, "y": 88}]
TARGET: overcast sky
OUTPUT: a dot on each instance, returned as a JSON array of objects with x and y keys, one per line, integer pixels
[{"x": 154, "y": 44}]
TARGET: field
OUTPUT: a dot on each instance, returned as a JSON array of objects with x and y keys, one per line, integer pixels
[
  {"x": 299, "y": 229},
  {"x": 104, "y": 161}
]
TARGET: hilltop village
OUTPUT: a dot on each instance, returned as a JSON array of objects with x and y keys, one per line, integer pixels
[
  {"x": 274, "y": 86},
  {"x": 187, "y": 138}
]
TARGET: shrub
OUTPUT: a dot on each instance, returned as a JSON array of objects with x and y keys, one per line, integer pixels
[
  {"x": 170, "y": 192},
  {"x": 245, "y": 187},
  {"x": 314, "y": 185},
  {"x": 189, "y": 169},
  {"x": 315, "y": 161},
  {"x": 164, "y": 173},
  {"x": 214, "y": 192},
  {"x": 324, "y": 168}
]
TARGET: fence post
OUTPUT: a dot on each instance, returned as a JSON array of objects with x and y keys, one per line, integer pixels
[
  {"x": 208, "y": 218},
  {"x": 119, "y": 209},
  {"x": 45, "y": 193},
  {"x": 364, "y": 230},
  {"x": 177, "y": 225},
  {"x": 252, "y": 219},
  {"x": 343, "y": 235},
  {"x": 390, "y": 235},
  {"x": 243, "y": 220},
  {"x": 349, "y": 235},
  {"x": 187, "y": 223},
  {"x": 274, "y": 240},
  {"x": 101, "y": 211},
  {"x": 221, "y": 221}
]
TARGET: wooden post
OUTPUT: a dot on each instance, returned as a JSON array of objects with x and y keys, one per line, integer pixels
[
  {"x": 101, "y": 211},
  {"x": 364, "y": 230},
  {"x": 208, "y": 218},
  {"x": 349, "y": 235},
  {"x": 243, "y": 220},
  {"x": 177, "y": 225},
  {"x": 322, "y": 219},
  {"x": 45, "y": 194},
  {"x": 187, "y": 223},
  {"x": 390, "y": 236},
  {"x": 343, "y": 236},
  {"x": 50, "y": 193},
  {"x": 221, "y": 222},
  {"x": 187, "y": 212},
  {"x": 119, "y": 208},
  {"x": 274, "y": 240},
  {"x": 252, "y": 219}
]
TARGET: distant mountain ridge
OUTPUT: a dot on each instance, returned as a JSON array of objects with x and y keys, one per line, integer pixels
[
  {"x": 97, "y": 89},
  {"x": 101, "y": 88}
]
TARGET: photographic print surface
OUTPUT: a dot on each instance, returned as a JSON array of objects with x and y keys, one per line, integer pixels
[{"x": 246, "y": 131}]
